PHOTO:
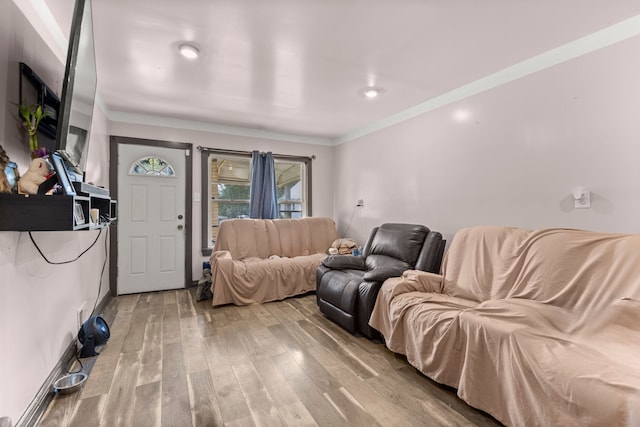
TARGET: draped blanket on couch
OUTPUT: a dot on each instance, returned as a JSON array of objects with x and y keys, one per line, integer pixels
[
  {"x": 534, "y": 327},
  {"x": 261, "y": 260}
]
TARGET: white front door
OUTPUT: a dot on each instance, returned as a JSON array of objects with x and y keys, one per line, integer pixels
[{"x": 151, "y": 225}]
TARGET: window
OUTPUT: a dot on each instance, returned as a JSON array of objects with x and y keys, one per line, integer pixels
[
  {"x": 290, "y": 188},
  {"x": 229, "y": 188},
  {"x": 152, "y": 166},
  {"x": 226, "y": 187}
]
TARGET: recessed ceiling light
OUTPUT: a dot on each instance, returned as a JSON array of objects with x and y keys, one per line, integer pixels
[
  {"x": 189, "y": 50},
  {"x": 461, "y": 115},
  {"x": 371, "y": 92}
]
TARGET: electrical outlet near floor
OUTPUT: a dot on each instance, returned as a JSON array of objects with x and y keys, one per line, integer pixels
[{"x": 81, "y": 315}]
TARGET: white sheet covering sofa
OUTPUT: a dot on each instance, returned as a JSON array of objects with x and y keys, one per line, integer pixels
[
  {"x": 534, "y": 327},
  {"x": 261, "y": 260}
]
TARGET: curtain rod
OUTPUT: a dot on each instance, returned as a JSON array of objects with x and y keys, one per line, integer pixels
[{"x": 248, "y": 153}]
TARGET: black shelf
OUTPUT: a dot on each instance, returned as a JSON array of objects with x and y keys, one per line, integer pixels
[{"x": 19, "y": 212}]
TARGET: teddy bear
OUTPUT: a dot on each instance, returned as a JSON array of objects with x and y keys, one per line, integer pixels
[{"x": 37, "y": 174}]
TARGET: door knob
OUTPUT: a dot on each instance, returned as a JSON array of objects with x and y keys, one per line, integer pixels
[
  {"x": 179, "y": 216},
  {"x": 180, "y": 227}
]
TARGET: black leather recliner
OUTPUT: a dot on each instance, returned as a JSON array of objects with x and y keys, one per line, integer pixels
[{"x": 347, "y": 286}]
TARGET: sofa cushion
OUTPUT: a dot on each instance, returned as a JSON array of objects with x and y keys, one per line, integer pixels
[
  {"x": 262, "y": 238},
  {"x": 477, "y": 265},
  {"x": 385, "y": 242},
  {"x": 380, "y": 261},
  {"x": 577, "y": 270},
  {"x": 305, "y": 236},
  {"x": 582, "y": 377},
  {"x": 424, "y": 327},
  {"x": 258, "y": 280}
]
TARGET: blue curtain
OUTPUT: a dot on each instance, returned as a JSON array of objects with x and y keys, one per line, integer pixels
[{"x": 263, "y": 196}]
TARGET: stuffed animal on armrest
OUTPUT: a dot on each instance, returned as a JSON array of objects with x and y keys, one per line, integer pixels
[{"x": 342, "y": 246}]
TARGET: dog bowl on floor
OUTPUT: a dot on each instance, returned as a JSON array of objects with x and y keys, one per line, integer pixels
[{"x": 70, "y": 383}]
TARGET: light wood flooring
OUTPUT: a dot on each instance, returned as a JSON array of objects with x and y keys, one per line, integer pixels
[{"x": 172, "y": 361}]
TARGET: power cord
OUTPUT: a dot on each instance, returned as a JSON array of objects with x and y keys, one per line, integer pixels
[
  {"x": 104, "y": 264},
  {"x": 63, "y": 262},
  {"x": 351, "y": 219},
  {"x": 95, "y": 304},
  {"x": 77, "y": 357}
]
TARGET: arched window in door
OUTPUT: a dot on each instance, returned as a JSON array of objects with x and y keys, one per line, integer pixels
[{"x": 152, "y": 166}]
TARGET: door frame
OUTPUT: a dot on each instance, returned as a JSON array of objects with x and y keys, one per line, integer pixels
[{"x": 114, "y": 142}]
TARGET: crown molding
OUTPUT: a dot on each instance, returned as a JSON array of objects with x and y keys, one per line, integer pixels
[
  {"x": 39, "y": 15},
  {"x": 610, "y": 35},
  {"x": 151, "y": 120}
]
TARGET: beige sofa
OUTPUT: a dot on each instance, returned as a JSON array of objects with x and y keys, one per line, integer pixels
[
  {"x": 260, "y": 260},
  {"x": 534, "y": 327}
]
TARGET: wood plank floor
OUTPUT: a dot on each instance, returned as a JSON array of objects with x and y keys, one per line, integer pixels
[{"x": 172, "y": 361}]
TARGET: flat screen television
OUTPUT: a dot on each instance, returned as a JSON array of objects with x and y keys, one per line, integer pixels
[
  {"x": 34, "y": 91},
  {"x": 78, "y": 91}
]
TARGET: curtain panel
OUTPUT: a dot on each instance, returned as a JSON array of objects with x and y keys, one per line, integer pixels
[{"x": 263, "y": 197}]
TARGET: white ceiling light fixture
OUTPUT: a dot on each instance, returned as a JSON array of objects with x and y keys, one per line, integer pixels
[
  {"x": 461, "y": 115},
  {"x": 371, "y": 92},
  {"x": 189, "y": 50}
]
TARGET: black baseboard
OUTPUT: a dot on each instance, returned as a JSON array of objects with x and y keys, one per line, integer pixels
[{"x": 45, "y": 394}]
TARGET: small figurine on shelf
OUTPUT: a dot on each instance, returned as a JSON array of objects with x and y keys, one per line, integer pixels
[
  {"x": 37, "y": 174},
  {"x": 32, "y": 115}
]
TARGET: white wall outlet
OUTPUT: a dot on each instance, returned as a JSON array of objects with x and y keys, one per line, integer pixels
[
  {"x": 196, "y": 197},
  {"x": 360, "y": 203},
  {"x": 81, "y": 315},
  {"x": 583, "y": 202}
]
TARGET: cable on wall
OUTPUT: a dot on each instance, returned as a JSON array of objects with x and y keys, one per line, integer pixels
[
  {"x": 63, "y": 262},
  {"x": 104, "y": 264},
  {"x": 350, "y": 220},
  {"x": 95, "y": 304}
]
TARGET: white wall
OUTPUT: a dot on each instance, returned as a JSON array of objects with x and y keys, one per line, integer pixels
[
  {"x": 525, "y": 146},
  {"x": 322, "y": 166},
  {"x": 38, "y": 301}
]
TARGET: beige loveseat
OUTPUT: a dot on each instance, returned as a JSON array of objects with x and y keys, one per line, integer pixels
[
  {"x": 534, "y": 327},
  {"x": 260, "y": 260}
]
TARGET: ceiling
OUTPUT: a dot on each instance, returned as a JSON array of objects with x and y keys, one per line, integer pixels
[{"x": 298, "y": 66}]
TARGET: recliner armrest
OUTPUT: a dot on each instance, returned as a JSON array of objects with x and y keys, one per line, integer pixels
[
  {"x": 343, "y": 262},
  {"x": 382, "y": 273},
  {"x": 430, "y": 257}
]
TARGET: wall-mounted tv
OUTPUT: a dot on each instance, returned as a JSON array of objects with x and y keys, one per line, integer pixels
[
  {"x": 78, "y": 91},
  {"x": 34, "y": 91}
]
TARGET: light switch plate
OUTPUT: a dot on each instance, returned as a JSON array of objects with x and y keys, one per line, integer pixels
[{"x": 584, "y": 202}]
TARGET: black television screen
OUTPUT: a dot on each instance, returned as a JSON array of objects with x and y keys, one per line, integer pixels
[
  {"x": 78, "y": 90},
  {"x": 34, "y": 91}
]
